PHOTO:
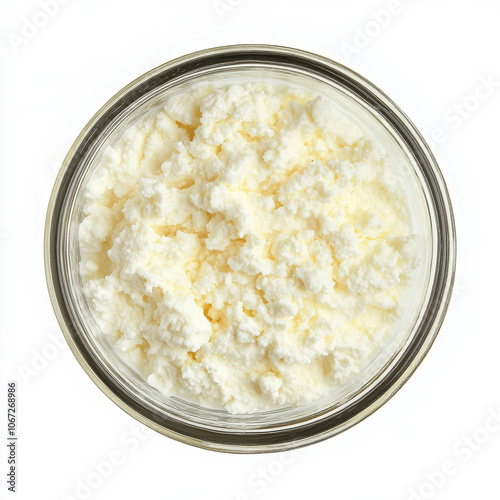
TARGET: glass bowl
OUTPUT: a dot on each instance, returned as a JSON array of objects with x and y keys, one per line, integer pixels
[{"x": 286, "y": 427}]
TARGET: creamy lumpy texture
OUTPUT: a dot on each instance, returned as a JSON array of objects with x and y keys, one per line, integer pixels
[{"x": 246, "y": 246}]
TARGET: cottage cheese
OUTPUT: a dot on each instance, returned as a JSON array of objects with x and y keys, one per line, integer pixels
[{"x": 246, "y": 246}]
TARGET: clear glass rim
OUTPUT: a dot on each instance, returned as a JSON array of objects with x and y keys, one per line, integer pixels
[{"x": 265, "y": 440}]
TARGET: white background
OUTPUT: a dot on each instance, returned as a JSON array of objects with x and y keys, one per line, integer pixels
[{"x": 430, "y": 57}]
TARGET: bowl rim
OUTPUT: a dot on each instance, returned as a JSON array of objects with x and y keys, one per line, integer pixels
[{"x": 441, "y": 289}]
